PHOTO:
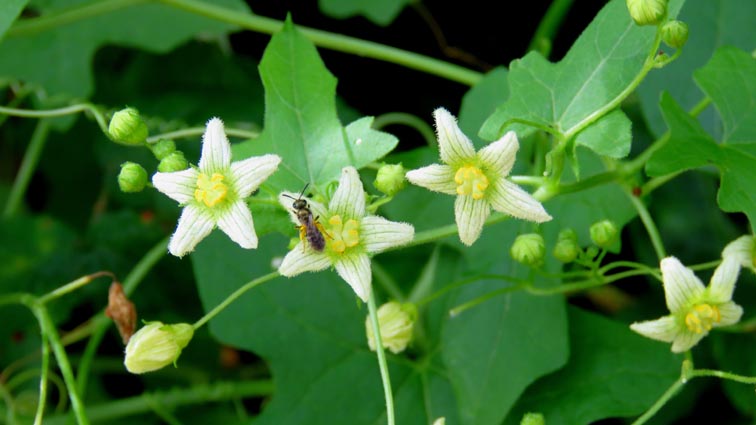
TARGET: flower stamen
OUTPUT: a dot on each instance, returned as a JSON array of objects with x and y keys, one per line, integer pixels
[
  {"x": 471, "y": 181},
  {"x": 210, "y": 190},
  {"x": 702, "y": 317},
  {"x": 345, "y": 235}
]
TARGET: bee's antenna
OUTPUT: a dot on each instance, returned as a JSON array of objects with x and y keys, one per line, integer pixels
[
  {"x": 289, "y": 196},
  {"x": 303, "y": 189}
]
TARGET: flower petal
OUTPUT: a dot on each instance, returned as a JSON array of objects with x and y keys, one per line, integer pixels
[
  {"x": 355, "y": 270},
  {"x": 237, "y": 223},
  {"x": 742, "y": 249},
  {"x": 500, "y": 155},
  {"x": 662, "y": 329},
  {"x": 730, "y": 314},
  {"x": 216, "y": 150},
  {"x": 509, "y": 198},
  {"x": 378, "y": 234},
  {"x": 287, "y": 200},
  {"x": 349, "y": 198},
  {"x": 685, "y": 340},
  {"x": 249, "y": 174},
  {"x": 455, "y": 147},
  {"x": 723, "y": 281},
  {"x": 194, "y": 224},
  {"x": 179, "y": 186},
  {"x": 470, "y": 214},
  {"x": 680, "y": 284},
  {"x": 436, "y": 177},
  {"x": 300, "y": 260}
]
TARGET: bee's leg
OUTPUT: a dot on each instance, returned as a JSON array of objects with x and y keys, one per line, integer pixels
[
  {"x": 302, "y": 235},
  {"x": 321, "y": 228}
]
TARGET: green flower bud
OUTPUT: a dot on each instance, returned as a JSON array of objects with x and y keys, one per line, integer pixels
[
  {"x": 396, "y": 322},
  {"x": 647, "y": 12},
  {"x": 175, "y": 161},
  {"x": 156, "y": 345},
  {"x": 132, "y": 178},
  {"x": 603, "y": 233},
  {"x": 533, "y": 419},
  {"x": 675, "y": 33},
  {"x": 528, "y": 249},
  {"x": 567, "y": 248},
  {"x": 163, "y": 148},
  {"x": 126, "y": 127},
  {"x": 390, "y": 179}
]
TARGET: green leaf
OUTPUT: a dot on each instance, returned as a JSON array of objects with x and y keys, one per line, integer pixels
[
  {"x": 378, "y": 12},
  {"x": 301, "y": 124},
  {"x": 712, "y": 23},
  {"x": 609, "y": 136},
  {"x": 565, "y": 96},
  {"x": 161, "y": 28},
  {"x": 9, "y": 11},
  {"x": 729, "y": 80},
  {"x": 612, "y": 372},
  {"x": 481, "y": 101}
]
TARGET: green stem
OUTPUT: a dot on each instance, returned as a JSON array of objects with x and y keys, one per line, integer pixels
[
  {"x": 231, "y": 298},
  {"x": 671, "y": 391},
  {"x": 28, "y": 165},
  {"x": 547, "y": 29},
  {"x": 409, "y": 120},
  {"x": 72, "y": 286},
  {"x": 485, "y": 297},
  {"x": 381, "y": 359},
  {"x": 101, "y": 322},
  {"x": 724, "y": 375},
  {"x": 176, "y": 397},
  {"x": 198, "y": 131},
  {"x": 24, "y": 27},
  {"x": 43, "y": 376},
  {"x": 51, "y": 333},
  {"x": 648, "y": 222},
  {"x": 68, "y": 110}
]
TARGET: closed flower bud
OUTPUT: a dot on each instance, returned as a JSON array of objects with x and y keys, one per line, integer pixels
[
  {"x": 396, "y": 322},
  {"x": 390, "y": 179},
  {"x": 128, "y": 128},
  {"x": 675, "y": 33},
  {"x": 603, "y": 233},
  {"x": 528, "y": 249},
  {"x": 132, "y": 178},
  {"x": 566, "y": 249},
  {"x": 647, "y": 12},
  {"x": 163, "y": 148},
  {"x": 156, "y": 345},
  {"x": 533, "y": 419},
  {"x": 175, "y": 161}
]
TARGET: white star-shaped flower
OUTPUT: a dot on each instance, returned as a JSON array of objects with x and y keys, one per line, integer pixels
[
  {"x": 743, "y": 249},
  {"x": 695, "y": 309},
  {"x": 350, "y": 235},
  {"x": 479, "y": 179},
  {"x": 213, "y": 193}
]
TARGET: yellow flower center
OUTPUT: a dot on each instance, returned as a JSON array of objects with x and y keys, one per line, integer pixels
[
  {"x": 342, "y": 235},
  {"x": 702, "y": 317},
  {"x": 210, "y": 190},
  {"x": 471, "y": 181}
]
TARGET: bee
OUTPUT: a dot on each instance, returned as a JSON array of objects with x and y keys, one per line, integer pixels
[{"x": 309, "y": 227}]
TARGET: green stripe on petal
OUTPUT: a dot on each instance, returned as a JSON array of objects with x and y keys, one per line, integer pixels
[
  {"x": 349, "y": 199},
  {"x": 248, "y": 175},
  {"x": 378, "y": 234},
  {"x": 470, "y": 215},
  {"x": 723, "y": 280},
  {"x": 194, "y": 224},
  {"x": 179, "y": 186},
  {"x": 216, "y": 150},
  {"x": 300, "y": 260},
  {"x": 436, "y": 177},
  {"x": 686, "y": 340},
  {"x": 499, "y": 156},
  {"x": 236, "y": 222},
  {"x": 508, "y": 198},
  {"x": 730, "y": 314},
  {"x": 680, "y": 284},
  {"x": 355, "y": 270},
  {"x": 663, "y": 329},
  {"x": 741, "y": 249},
  {"x": 454, "y": 146}
]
